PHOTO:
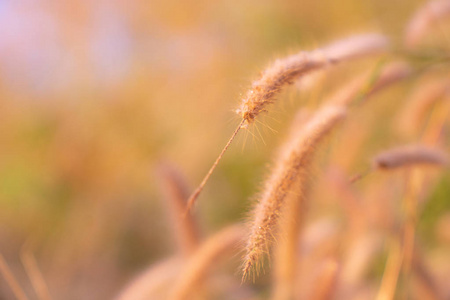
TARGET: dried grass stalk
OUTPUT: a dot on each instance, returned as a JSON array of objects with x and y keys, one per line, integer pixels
[
  {"x": 420, "y": 103},
  {"x": 368, "y": 83},
  {"x": 35, "y": 275},
  {"x": 422, "y": 290},
  {"x": 424, "y": 285},
  {"x": 175, "y": 190},
  {"x": 227, "y": 286},
  {"x": 319, "y": 237},
  {"x": 151, "y": 283},
  {"x": 284, "y": 71},
  {"x": 391, "y": 273},
  {"x": 410, "y": 203},
  {"x": 425, "y": 17},
  {"x": 293, "y": 162},
  {"x": 434, "y": 133},
  {"x": 406, "y": 156},
  {"x": 319, "y": 241},
  {"x": 326, "y": 281},
  {"x": 286, "y": 249},
  {"x": 204, "y": 259},
  {"x": 337, "y": 181},
  {"x": 11, "y": 280},
  {"x": 193, "y": 198},
  {"x": 359, "y": 258}
]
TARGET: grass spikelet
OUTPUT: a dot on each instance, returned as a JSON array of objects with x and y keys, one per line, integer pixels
[
  {"x": 204, "y": 259},
  {"x": 423, "y": 19},
  {"x": 406, "y": 156},
  {"x": 286, "y": 249},
  {"x": 293, "y": 161},
  {"x": 284, "y": 71},
  {"x": 176, "y": 193},
  {"x": 286, "y": 254},
  {"x": 354, "y": 47}
]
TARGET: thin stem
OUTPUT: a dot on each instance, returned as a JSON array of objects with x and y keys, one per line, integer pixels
[
  {"x": 198, "y": 190},
  {"x": 391, "y": 272},
  {"x": 35, "y": 275},
  {"x": 11, "y": 280},
  {"x": 413, "y": 182},
  {"x": 359, "y": 176}
]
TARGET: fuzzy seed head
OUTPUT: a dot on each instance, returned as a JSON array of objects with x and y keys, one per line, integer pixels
[
  {"x": 408, "y": 156},
  {"x": 285, "y": 71},
  {"x": 295, "y": 159}
]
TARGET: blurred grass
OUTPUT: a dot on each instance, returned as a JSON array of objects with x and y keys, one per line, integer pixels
[
  {"x": 436, "y": 206},
  {"x": 81, "y": 130}
]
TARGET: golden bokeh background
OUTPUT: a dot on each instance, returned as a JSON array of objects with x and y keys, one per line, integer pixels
[{"x": 94, "y": 94}]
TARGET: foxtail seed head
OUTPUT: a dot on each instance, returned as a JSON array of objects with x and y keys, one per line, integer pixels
[
  {"x": 294, "y": 160},
  {"x": 285, "y": 71},
  {"x": 410, "y": 155}
]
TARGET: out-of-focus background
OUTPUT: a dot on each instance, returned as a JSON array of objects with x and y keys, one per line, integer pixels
[{"x": 93, "y": 94}]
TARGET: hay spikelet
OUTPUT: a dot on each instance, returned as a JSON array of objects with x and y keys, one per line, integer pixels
[
  {"x": 284, "y": 71},
  {"x": 293, "y": 162},
  {"x": 406, "y": 156},
  {"x": 286, "y": 252}
]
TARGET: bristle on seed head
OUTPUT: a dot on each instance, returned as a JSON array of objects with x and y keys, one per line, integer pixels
[{"x": 285, "y": 71}]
